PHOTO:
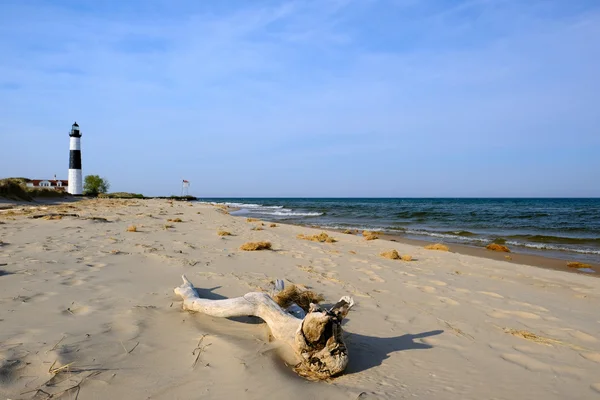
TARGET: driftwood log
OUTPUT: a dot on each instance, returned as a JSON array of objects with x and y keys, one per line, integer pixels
[{"x": 316, "y": 337}]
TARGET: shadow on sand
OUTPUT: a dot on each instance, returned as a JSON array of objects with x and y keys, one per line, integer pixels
[
  {"x": 365, "y": 351},
  {"x": 370, "y": 351}
]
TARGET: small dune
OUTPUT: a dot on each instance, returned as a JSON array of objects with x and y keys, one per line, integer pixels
[
  {"x": 391, "y": 254},
  {"x": 437, "y": 246},
  {"x": 577, "y": 264},
  {"x": 253, "y": 246},
  {"x": 252, "y": 220},
  {"x": 175, "y": 220},
  {"x": 223, "y": 233},
  {"x": 497, "y": 247},
  {"x": 132, "y": 228},
  {"x": 321, "y": 237}
]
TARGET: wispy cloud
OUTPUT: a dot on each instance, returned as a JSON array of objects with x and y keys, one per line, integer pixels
[{"x": 172, "y": 88}]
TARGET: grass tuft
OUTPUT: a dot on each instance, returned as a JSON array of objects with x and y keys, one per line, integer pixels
[
  {"x": 253, "y": 246},
  {"x": 321, "y": 237},
  {"x": 437, "y": 246},
  {"x": 497, "y": 247}
]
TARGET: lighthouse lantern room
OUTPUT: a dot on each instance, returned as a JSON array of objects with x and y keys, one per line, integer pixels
[{"x": 75, "y": 178}]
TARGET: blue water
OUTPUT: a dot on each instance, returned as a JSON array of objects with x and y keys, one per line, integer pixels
[{"x": 564, "y": 228}]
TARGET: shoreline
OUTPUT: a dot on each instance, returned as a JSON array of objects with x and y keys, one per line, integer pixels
[{"x": 534, "y": 260}]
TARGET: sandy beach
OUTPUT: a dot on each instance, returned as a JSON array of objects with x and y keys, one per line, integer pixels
[{"x": 87, "y": 311}]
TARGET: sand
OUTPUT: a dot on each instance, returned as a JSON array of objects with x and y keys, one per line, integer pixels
[{"x": 86, "y": 305}]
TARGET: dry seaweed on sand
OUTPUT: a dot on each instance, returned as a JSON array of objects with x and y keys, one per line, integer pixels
[
  {"x": 370, "y": 235},
  {"x": 174, "y": 220},
  {"x": 321, "y": 237},
  {"x": 523, "y": 334},
  {"x": 406, "y": 257},
  {"x": 497, "y": 247},
  {"x": 253, "y": 246},
  {"x": 223, "y": 233},
  {"x": 132, "y": 228},
  {"x": 252, "y": 220},
  {"x": 257, "y": 228},
  {"x": 273, "y": 226},
  {"x": 391, "y": 254},
  {"x": 295, "y": 294},
  {"x": 437, "y": 246},
  {"x": 577, "y": 264}
]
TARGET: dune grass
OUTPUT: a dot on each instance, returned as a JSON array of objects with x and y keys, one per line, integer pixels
[
  {"x": 254, "y": 246},
  {"x": 321, "y": 237},
  {"x": 437, "y": 246}
]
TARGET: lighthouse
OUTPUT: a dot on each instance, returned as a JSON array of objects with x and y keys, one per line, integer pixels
[{"x": 75, "y": 179}]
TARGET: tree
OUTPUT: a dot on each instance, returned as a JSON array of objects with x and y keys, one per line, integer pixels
[{"x": 93, "y": 185}]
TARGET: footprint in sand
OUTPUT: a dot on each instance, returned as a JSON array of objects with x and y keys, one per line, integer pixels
[
  {"x": 526, "y": 362},
  {"x": 595, "y": 387},
  {"x": 72, "y": 282},
  {"x": 372, "y": 275},
  {"x": 492, "y": 294},
  {"x": 427, "y": 289},
  {"x": 591, "y": 356},
  {"x": 583, "y": 336},
  {"x": 449, "y": 301},
  {"x": 439, "y": 283},
  {"x": 502, "y": 314},
  {"x": 76, "y": 309}
]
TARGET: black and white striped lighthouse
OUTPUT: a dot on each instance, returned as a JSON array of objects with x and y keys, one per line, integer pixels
[{"x": 75, "y": 179}]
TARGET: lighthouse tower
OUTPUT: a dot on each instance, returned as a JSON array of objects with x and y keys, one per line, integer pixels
[{"x": 75, "y": 179}]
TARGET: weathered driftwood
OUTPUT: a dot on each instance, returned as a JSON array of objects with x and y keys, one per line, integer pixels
[{"x": 317, "y": 338}]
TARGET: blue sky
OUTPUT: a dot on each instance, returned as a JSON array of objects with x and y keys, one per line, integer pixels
[{"x": 306, "y": 98}]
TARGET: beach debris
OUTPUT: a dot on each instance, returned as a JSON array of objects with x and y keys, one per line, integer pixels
[
  {"x": 273, "y": 226},
  {"x": 174, "y": 220},
  {"x": 132, "y": 228},
  {"x": 523, "y": 334},
  {"x": 350, "y": 231},
  {"x": 296, "y": 294},
  {"x": 391, "y": 254},
  {"x": 223, "y": 233},
  {"x": 257, "y": 228},
  {"x": 321, "y": 237},
  {"x": 437, "y": 246},
  {"x": 577, "y": 264},
  {"x": 253, "y": 246},
  {"x": 497, "y": 247},
  {"x": 168, "y": 226},
  {"x": 317, "y": 339},
  {"x": 406, "y": 257},
  {"x": 368, "y": 235},
  {"x": 252, "y": 220}
]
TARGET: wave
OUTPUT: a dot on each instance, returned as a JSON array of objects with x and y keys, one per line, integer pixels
[
  {"x": 556, "y": 239},
  {"x": 540, "y": 246},
  {"x": 293, "y": 214}
]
